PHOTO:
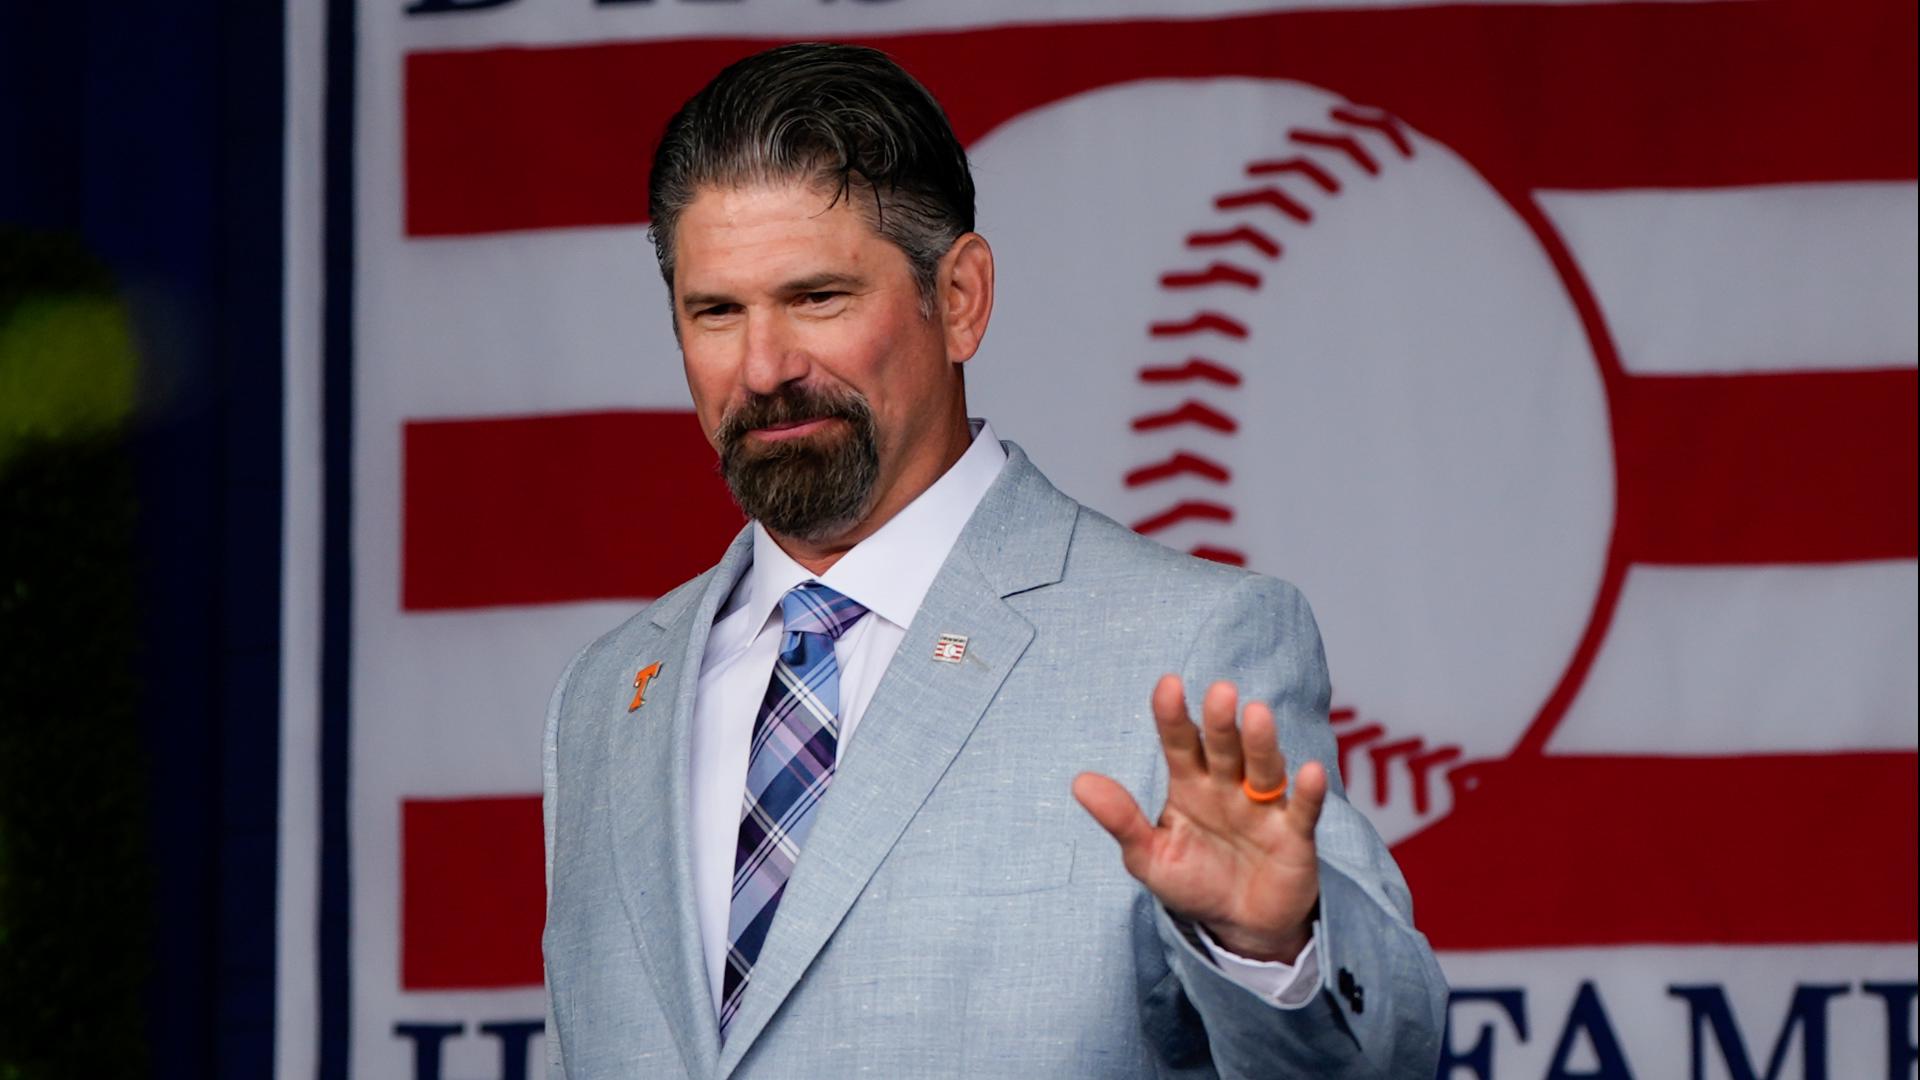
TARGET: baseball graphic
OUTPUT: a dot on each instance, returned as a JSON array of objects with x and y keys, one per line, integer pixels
[
  {"x": 1329, "y": 351},
  {"x": 1562, "y": 354}
]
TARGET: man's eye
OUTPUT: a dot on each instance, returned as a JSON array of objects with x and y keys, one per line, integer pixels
[
  {"x": 818, "y": 298},
  {"x": 715, "y": 310}
]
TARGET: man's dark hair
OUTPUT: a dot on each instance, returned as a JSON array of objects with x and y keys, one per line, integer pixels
[{"x": 843, "y": 116}]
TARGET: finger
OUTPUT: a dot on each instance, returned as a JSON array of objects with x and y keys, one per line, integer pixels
[
  {"x": 1259, "y": 739},
  {"x": 1309, "y": 795},
  {"x": 1186, "y": 758},
  {"x": 1218, "y": 715},
  {"x": 1115, "y": 810}
]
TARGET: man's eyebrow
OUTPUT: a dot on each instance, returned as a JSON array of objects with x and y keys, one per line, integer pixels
[
  {"x": 827, "y": 279},
  {"x": 704, "y": 299},
  {"x": 818, "y": 282}
]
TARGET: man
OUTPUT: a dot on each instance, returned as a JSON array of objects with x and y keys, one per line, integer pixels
[{"x": 808, "y": 815}]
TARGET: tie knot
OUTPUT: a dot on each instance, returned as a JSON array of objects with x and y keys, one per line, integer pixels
[{"x": 812, "y": 608}]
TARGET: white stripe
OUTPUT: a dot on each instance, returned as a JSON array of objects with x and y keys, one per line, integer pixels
[
  {"x": 474, "y": 679},
  {"x": 296, "y": 942},
  {"x": 1788, "y": 277},
  {"x": 563, "y": 320},
  {"x": 1792, "y": 277},
  {"x": 1733, "y": 660},
  {"x": 582, "y": 23}
]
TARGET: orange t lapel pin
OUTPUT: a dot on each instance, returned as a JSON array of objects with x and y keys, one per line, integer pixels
[{"x": 640, "y": 682}]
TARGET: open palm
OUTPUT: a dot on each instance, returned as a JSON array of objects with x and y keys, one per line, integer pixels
[{"x": 1245, "y": 869}]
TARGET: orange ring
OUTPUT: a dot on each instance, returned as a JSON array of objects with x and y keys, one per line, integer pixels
[{"x": 1263, "y": 796}]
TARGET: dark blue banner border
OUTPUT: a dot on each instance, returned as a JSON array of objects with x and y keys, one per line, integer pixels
[{"x": 335, "y": 984}]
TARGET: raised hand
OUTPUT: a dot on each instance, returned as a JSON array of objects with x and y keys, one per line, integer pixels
[{"x": 1233, "y": 850}]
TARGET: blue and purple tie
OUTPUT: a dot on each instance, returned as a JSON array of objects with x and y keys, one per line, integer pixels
[{"x": 795, "y": 743}]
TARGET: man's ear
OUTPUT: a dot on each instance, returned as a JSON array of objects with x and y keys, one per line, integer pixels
[{"x": 964, "y": 297}]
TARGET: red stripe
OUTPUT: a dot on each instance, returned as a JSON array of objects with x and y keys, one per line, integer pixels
[
  {"x": 472, "y": 893},
  {"x": 1554, "y": 852},
  {"x": 542, "y": 509},
  {"x": 1783, "y": 468},
  {"x": 1714, "y": 470},
  {"x": 1543, "y": 853},
  {"x": 1535, "y": 96}
]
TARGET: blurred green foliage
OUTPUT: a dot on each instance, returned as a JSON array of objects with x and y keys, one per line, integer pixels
[
  {"x": 66, "y": 370},
  {"x": 75, "y": 877}
]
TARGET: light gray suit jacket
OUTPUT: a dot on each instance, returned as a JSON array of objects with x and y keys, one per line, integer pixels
[{"x": 955, "y": 913}]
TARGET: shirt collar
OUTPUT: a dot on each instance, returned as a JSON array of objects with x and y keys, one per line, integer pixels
[{"x": 890, "y": 572}]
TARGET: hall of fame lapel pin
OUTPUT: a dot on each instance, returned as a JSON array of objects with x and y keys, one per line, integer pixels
[
  {"x": 951, "y": 648},
  {"x": 640, "y": 681}
]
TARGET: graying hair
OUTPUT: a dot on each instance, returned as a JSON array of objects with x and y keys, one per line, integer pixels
[{"x": 843, "y": 117}]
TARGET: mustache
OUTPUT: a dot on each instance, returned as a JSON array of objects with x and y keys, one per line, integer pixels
[
  {"x": 792, "y": 405},
  {"x": 806, "y": 488}
]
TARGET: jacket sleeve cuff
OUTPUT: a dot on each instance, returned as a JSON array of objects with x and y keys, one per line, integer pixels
[{"x": 1289, "y": 986}]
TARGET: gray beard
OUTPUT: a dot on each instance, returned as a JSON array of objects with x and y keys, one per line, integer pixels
[{"x": 809, "y": 488}]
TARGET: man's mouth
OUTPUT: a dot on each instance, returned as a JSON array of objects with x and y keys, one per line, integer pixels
[{"x": 792, "y": 429}]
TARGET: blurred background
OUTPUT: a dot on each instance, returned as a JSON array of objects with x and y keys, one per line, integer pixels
[
  {"x": 1564, "y": 353},
  {"x": 141, "y": 152}
]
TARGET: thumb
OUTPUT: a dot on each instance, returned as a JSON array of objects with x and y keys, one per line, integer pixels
[{"x": 1115, "y": 810}]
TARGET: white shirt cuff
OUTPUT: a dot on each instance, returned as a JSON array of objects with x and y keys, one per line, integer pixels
[{"x": 1290, "y": 986}]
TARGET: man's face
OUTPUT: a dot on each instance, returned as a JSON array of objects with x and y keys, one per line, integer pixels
[{"x": 814, "y": 372}]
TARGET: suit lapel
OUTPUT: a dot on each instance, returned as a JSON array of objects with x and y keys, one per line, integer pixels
[
  {"x": 921, "y": 715},
  {"x": 650, "y": 755}
]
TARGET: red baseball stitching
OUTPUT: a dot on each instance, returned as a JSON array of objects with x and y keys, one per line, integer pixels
[
  {"x": 1204, "y": 322},
  {"x": 1195, "y": 368},
  {"x": 1180, "y": 464},
  {"x": 1346, "y": 144},
  {"x": 1245, "y": 234},
  {"x": 1421, "y": 762},
  {"x": 1305, "y": 166},
  {"x": 1189, "y": 510},
  {"x": 1345, "y": 742},
  {"x": 1421, "y": 765},
  {"x": 1382, "y": 754},
  {"x": 1342, "y": 138},
  {"x": 1266, "y": 196},
  {"x": 1193, "y": 412},
  {"x": 1217, "y": 274},
  {"x": 1379, "y": 120},
  {"x": 1220, "y": 555}
]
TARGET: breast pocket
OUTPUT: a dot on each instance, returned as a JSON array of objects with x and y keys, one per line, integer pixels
[{"x": 977, "y": 869}]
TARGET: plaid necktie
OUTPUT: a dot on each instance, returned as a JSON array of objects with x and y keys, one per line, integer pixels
[{"x": 795, "y": 741}]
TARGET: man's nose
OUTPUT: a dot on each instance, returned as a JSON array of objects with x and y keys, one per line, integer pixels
[{"x": 774, "y": 356}]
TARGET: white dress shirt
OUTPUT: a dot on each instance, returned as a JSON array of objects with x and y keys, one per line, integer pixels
[{"x": 889, "y": 574}]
